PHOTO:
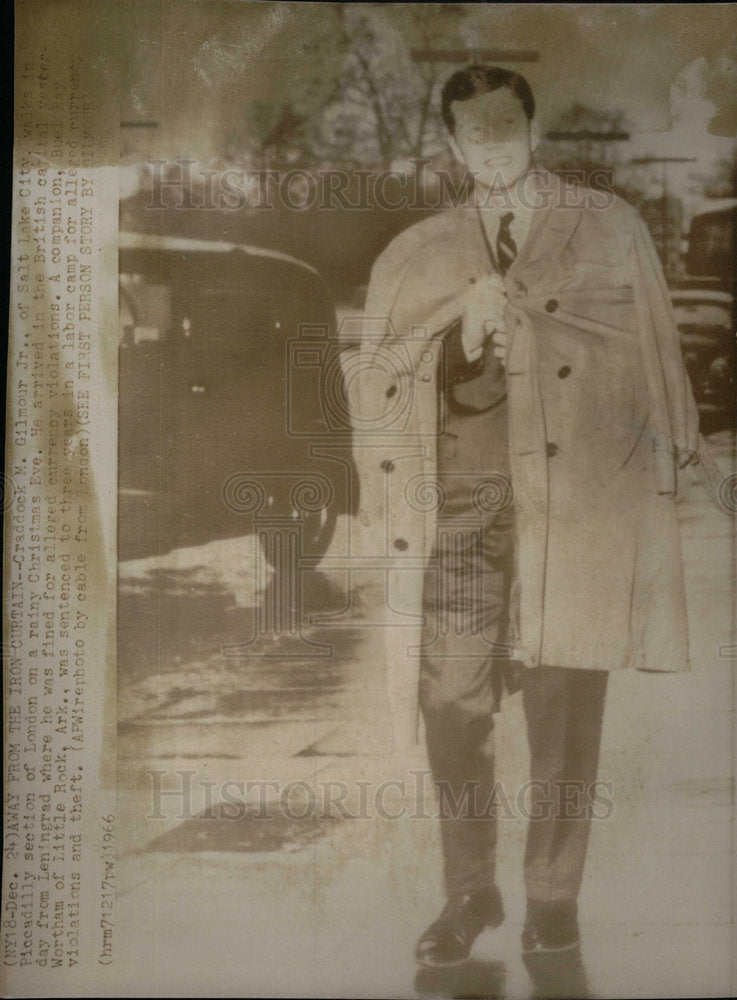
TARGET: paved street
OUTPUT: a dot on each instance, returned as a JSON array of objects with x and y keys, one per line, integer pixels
[{"x": 215, "y": 898}]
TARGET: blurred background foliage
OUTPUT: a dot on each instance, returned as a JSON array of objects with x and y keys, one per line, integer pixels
[{"x": 339, "y": 86}]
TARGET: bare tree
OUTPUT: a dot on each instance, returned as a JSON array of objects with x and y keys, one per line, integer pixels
[{"x": 386, "y": 105}]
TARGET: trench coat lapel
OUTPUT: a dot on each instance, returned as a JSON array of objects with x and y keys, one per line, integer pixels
[{"x": 551, "y": 228}]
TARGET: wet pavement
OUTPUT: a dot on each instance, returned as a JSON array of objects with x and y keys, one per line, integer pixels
[{"x": 233, "y": 891}]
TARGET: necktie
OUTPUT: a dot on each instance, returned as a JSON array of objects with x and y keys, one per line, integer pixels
[{"x": 506, "y": 248}]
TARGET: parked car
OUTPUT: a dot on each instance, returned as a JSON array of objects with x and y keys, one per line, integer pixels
[
  {"x": 706, "y": 321},
  {"x": 228, "y": 358}
]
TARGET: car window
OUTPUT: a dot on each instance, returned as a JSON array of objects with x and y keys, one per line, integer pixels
[{"x": 145, "y": 308}]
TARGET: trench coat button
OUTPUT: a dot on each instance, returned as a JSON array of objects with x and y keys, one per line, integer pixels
[
  {"x": 472, "y": 281},
  {"x": 391, "y": 391},
  {"x": 387, "y": 465},
  {"x": 552, "y": 449},
  {"x": 551, "y": 305},
  {"x": 564, "y": 372},
  {"x": 401, "y": 544},
  {"x": 427, "y": 377}
]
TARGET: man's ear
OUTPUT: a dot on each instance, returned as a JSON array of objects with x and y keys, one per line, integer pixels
[
  {"x": 534, "y": 134},
  {"x": 456, "y": 149}
]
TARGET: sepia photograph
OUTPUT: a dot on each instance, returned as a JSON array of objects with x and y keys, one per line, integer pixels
[{"x": 369, "y": 501}]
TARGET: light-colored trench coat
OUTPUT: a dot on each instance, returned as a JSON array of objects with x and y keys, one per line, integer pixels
[{"x": 599, "y": 409}]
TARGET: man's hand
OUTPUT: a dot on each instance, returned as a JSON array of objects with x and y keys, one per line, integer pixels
[
  {"x": 498, "y": 339},
  {"x": 483, "y": 316}
]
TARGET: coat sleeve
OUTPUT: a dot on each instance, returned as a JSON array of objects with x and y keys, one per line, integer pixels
[
  {"x": 662, "y": 341},
  {"x": 395, "y": 304}
]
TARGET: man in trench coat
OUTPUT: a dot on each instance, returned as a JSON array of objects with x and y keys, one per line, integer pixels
[{"x": 521, "y": 419}]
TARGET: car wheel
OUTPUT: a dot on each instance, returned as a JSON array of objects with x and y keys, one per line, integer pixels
[{"x": 318, "y": 528}]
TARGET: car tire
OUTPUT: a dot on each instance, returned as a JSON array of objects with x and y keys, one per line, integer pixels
[{"x": 318, "y": 528}]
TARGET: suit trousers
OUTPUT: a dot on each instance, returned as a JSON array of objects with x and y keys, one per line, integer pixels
[{"x": 466, "y": 593}]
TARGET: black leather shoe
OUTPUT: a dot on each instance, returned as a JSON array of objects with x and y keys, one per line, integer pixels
[
  {"x": 550, "y": 927},
  {"x": 449, "y": 940}
]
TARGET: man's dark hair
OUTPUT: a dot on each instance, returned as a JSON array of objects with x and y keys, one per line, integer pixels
[{"x": 472, "y": 80}]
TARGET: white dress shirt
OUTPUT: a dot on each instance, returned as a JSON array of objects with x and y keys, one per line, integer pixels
[{"x": 492, "y": 209}]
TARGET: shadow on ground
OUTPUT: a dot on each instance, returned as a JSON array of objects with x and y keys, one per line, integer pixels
[
  {"x": 553, "y": 975},
  {"x": 246, "y": 828},
  {"x": 171, "y": 616},
  {"x": 473, "y": 979},
  {"x": 560, "y": 975}
]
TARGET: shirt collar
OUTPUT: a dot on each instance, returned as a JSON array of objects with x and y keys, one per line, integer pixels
[{"x": 520, "y": 199}]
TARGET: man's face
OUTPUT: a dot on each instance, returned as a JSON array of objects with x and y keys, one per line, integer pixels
[{"x": 493, "y": 137}]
